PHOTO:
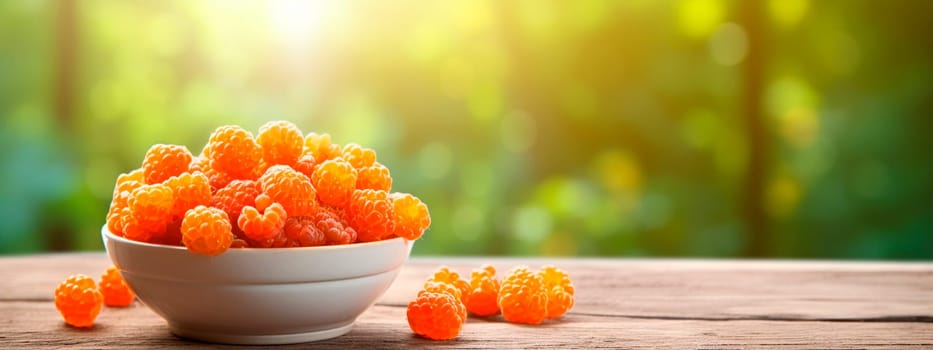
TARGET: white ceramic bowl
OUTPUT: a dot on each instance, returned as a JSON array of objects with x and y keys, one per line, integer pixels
[{"x": 259, "y": 296}]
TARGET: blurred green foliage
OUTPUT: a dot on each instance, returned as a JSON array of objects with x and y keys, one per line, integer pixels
[{"x": 592, "y": 127}]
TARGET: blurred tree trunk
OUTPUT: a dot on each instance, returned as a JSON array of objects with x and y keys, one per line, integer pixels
[
  {"x": 751, "y": 17},
  {"x": 59, "y": 236}
]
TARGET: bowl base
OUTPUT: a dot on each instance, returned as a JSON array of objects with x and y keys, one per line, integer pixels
[{"x": 264, "y": 339}]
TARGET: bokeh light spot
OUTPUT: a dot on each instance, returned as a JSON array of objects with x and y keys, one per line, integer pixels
[
  {"x": 729, "y": 44},
  {"x": 698, "y": 18},
  {"x": 787, "y": 13}
]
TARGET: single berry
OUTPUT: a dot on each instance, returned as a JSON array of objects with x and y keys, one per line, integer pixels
[
  {"x": 119, "y": 206},
  {"x": 206, "y": 231},
  {"x": 189, "y": 190},
  {"x": 374, "y": 177},
  {"x": 358, "y": 156},
  {"x": 301, "y": 232},
  {"x": 293, "y": 190},
  {"x": 437, "y": 316},
  {"x": 560, "y": 291},
  {"x": 332, "y": 223},
  {"x": 370, "y": 214},
  {"x": 263, "y": 222},
  {"x": 115, "y": 290},
  {"x": 164, "y": 161},
  {"x": 410, "y": 216},
  {"x": 445, "y": 275},
  {"x": 523, "y": 297},
  {"x": 236, "y": 195},
  {"x": 484, "y": 292},
  {"x": 281, "y": 142},
  {"x": 233, "y": 151},
  {"x": 305, "y": 164},
  {"x": 78, "y": 300},
  {"x": 320, "y": 147},
  {"x": 150, "y": 209},
  {"x": 334, "y": 180}
]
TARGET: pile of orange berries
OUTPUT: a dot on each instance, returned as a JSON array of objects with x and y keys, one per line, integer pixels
[
  {"x": 278, "y": 189},
  {"x": 79, "y": 299},
  {"x": 523, "y": 296}
]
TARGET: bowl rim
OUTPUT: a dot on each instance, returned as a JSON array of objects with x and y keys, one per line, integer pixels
[{"x": 111, "y": 236}]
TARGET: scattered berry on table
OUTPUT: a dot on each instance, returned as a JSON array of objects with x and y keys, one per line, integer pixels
[
  {"x": 78, "y": 300},
  {"x": 560, "y": 291},
  {"x": 114, "y": 289},
  {"x": 484, "y": 292},
  {"x": 445, "y": 274},
  {"x": 523, "y": 297},
  {"x": 437, "y": 316}
]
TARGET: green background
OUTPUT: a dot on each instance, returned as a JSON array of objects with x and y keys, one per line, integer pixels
[{"x": 781, "y": 128}]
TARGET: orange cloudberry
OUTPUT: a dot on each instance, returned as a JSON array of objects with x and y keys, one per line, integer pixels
[
  {"x": 523, "y": 297},
  {"x": 234, "y": 151},
  {"x": 281, "y": 141},
  {"x": 445, "y": 274},
  {"x": 206, "y": 231},
  {"x": 409, "y": 215},
  {"x": 560, "y": 290},
  {"x": 114, "y": 289},
  {"x": 437, "y": 316},
  {"x": 78, "y": 300},
  {"x": 263, "y": 222},
  {"x": 370, "y": 214},
  {"x": 333, "y": 224},
  {"x": 189, "y": 190},
  {"x": 150, "y": 209},
  {"x": 334, "y": 180},
  {"x": 484, "y": 292},
  {"x": 358, "y": 156},
  {"x": 291, "y": 189},
  {"x": 374, "y": 177},
  {"x": 164, "y": 161}
]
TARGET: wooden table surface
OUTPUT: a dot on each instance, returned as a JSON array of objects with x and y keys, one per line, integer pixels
[{"x": 620, "y": 303}]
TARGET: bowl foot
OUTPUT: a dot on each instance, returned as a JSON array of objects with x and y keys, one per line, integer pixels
[{"x": 264, "y": 339}]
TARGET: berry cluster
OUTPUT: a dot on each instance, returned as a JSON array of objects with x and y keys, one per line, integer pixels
[
  {"x": 79, "y": 299},
  {"x": 278, "y": 189},
  {"x": 524, "y": 296}
]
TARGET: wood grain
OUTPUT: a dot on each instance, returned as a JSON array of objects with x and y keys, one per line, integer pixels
[{"x": 621, "y": 303}]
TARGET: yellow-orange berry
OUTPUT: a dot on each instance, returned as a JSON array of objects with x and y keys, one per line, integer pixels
[
  {"x": 164, "y": 161},
  {"x": 445, "y": 274},
  {"x": 523, "y": 297},
  {"x": 560, "y": 291},
  {"x": 206, "y": 231},
  {"x": 484, "y": 292},
  {"x": 281, "y": 141}
]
